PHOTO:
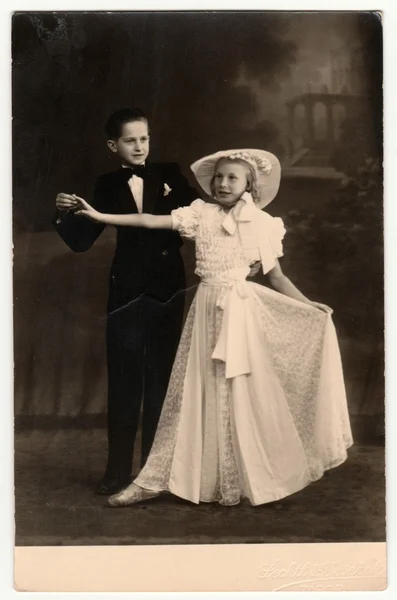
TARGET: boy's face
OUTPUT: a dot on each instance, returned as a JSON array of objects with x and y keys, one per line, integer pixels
[{"x": 133, "y": 144}]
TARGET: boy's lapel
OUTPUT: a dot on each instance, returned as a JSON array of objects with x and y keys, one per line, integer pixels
[
  {"x": 151, "y": 187},
  {"x": 125, "y": 196}
]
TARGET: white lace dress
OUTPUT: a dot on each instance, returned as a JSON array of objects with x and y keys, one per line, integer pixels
[{"x": 256, "y": 403}]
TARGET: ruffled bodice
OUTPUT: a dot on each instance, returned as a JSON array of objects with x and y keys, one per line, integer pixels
[{"x": 219, "y": 248}]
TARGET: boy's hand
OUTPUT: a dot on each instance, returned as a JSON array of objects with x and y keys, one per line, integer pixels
[
  {"x": 254, "y": 268},
  {"x": 65, "y": 202},
  {"x": 85, "y": 210}
]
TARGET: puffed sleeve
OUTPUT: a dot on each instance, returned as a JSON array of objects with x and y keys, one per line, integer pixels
[
  {"x": 270, "y": 232},
  {"x": 185, "y": 220},
  {"x": 277, "y": 233}
]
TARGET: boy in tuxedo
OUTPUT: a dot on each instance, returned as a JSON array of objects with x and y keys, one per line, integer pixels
[{"x": 146, "y": 287}]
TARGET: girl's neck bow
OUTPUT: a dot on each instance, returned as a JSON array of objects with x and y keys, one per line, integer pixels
[{"x": 243, "y": 211}]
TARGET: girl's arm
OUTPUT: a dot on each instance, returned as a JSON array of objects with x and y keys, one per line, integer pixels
[
  {"x": 284, "y": 285},
  {"x": 134, "y": 220}
]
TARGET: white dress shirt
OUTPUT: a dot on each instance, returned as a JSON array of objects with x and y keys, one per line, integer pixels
[{"x": 136, "y": 186}]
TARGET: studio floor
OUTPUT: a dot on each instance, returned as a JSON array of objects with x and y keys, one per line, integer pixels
[{"x": 56, "y": 471}]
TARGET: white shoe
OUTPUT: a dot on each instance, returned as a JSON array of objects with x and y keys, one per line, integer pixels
[{"x": 131, "y": 495}]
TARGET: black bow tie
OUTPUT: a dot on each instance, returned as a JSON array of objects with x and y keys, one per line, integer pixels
[{"x": 138, "y": 170}]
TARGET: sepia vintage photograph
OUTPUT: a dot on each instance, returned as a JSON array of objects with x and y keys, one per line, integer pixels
[{"x": 198, "y": 278}]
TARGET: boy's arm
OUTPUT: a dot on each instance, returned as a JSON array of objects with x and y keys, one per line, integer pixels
[{"x": 80, "y": 234}]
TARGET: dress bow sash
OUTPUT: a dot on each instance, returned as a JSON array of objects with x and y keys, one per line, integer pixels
[{"x": 239, "y": 323}]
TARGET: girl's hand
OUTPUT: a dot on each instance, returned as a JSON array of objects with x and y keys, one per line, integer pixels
[
  {"x": 322, "y": 307},
  {"x": 85, "y": 210}
]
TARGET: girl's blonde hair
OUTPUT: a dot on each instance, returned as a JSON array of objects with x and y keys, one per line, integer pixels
[{"x": 252, "y": 179}]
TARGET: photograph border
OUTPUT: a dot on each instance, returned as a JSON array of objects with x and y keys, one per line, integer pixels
[{"x": 205, "y": 568}]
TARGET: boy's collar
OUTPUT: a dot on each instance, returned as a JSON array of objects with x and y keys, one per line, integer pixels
[{"x": 144, "y": 164}]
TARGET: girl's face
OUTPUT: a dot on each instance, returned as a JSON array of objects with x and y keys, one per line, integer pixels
[{"x": 230, "y": 182}]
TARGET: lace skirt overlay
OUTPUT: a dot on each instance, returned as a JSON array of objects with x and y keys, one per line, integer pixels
[{"x": 256, "y": 403}]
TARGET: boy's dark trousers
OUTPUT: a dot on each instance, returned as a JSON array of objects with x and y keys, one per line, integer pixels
[
  {"x": 142, "y": 339},
  {"x": 145, "y": 308}
]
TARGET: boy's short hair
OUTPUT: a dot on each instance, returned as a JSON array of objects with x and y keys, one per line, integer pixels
[{"x": 116, "y": 121}]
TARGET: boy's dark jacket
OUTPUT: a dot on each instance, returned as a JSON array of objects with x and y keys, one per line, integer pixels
[{"x": 146, "y": 261}]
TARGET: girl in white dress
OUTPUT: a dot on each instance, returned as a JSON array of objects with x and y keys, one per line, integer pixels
[{"x": 256, "y": 405}]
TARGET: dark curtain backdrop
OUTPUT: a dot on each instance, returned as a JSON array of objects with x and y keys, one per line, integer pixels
[{"x": 207, "y": 81}]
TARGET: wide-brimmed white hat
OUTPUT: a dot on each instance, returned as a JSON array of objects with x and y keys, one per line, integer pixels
[{"x": 266, "y": 165}]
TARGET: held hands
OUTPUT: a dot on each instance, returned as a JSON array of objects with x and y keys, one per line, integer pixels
[
  {"x": 84, "y": 209},
  {"x": 66, "y": 202},
  {"x": 77, "y": 205}
]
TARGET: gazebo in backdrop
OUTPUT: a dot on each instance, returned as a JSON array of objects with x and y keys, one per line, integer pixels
[{"x": 314, "y": 128}]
